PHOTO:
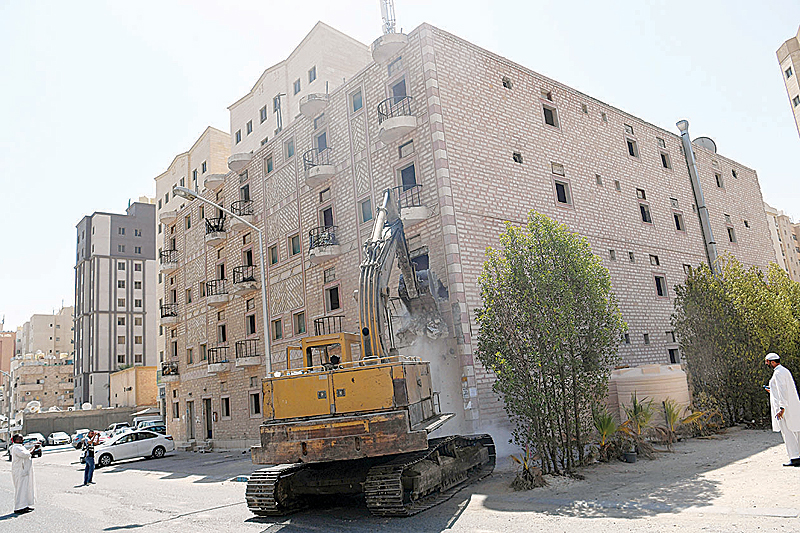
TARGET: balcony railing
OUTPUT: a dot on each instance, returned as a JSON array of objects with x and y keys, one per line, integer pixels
[
  {"x": 169, "y": 310},
  {"x": 408, "y": 196},
  {"x": 169, "y": 368},
  {"x": 248, "y": 348},
  {"x": 394, "y": 106},
  {"x": 314, "y": 158},
  {"x": 244, "y": 273},
  {"x": 168, "y": 256},
  {"x": 217, "y": 354},
  {"x": 242, "y": 207},
  {"x": 322, "y": 236},
  {"x": 326, "y": 325},
  {"x": 215, "y": 225},
  {"x": 216, "y": 286}
]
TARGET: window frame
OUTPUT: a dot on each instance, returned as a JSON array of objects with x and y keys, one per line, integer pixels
[
  {"x": 562, "y": 180},
  {"x": 326, "y": 298},
  {"x": 550, "y": 106},
  {"x": 658, "y": 275}
]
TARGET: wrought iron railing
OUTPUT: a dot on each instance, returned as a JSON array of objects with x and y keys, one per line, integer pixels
[
  {"x": 244, "y": 273},
  {"x": 169, "y": 310},
  {"x": 408, "y": 196},
  {"x": 169, "y": 368},
  {"x": 215, "y": 225},
  {"x": 326, "y": 325},
  {"x": 322, "y": 236},
  {"x": 242, "y": 207},
  {"x": 216, "y": 286},
  {"x": 218, "y": 354},
  {"x": 168, "y": 256},
  {"x": 248, "y": 348},
  {"x": 316, "y": 157},
  {"x": 394, "y": 106}
]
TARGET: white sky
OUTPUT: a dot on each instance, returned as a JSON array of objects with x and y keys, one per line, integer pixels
[{"x": 96, "y": 98}]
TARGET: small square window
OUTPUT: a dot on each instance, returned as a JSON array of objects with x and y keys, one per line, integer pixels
[
  {"x": 661, "y": 143},
  {"x": 121, "y": 284},
  {"x": 789, "y": 72},
  {"x": 517, "y": 157},
  {"x": 288, "y": 148},
  {"x": 238, "y": 136},
  {"x": 674, "y": 203},
  {"x": 654, "y": 260},
  {"x": 640, "y": 194},
  {"x": 225, "y": 407},
  {"x": 612, "y": 254},
  {"x": 250, "y": 324},
  {"x": 674, "y": 356},
  {"x": 665, "y": 162},
  {"x": 312, "y": 74},
  {"x": 687, "y": 269},
  {"x": 598, "y": 179},
  {"x": 732, "y": 235},
  {"x": 547, "y": 95},
  {"x": 506, "y": 82},
  {"x": 670, "y": 336},
  {"x": 550, "y": 115},
  {"x": 263, "y": 113},
  {"x": 644, "y": 209},
  {"x": 747, "y": 225},
  {"x": 255, "y": 404},
  {"x": 356, "y": 101},
  {"x": 250, "y": 304},
  {"x": 268, "y": 164},
  {"x": 188, "y": 221},
  {"x": 727, "y": 219},
  {"x": 633, "y": 148},
  {"x": 299, "y": 321},
  {"x": 324, "y": 195},
  {"x": 121, "y": 231},
  {"x": 297, "y": 86},
  {"x": 679, "y": 225},
  {"x": 646, "y": 338},
  {"x": 120, "y": 302},
  {"x": 294, "y": 244},
  {"x": 121, "y": 248},
  {"x": 318, "y": 122},
  {"x": 277, "y": 329},
  {"x": 121, "y": 321},
  {"x": 273, "y": 254},
  {"x": 631, "y": 257},
  {"x": 718, "y": 179},
  {"x": 796, "y": 101},
  {"x": 249, "y": 127},
  {"x": 557, "y": 169},
  {"x": 329, "y": 275},
  {"x": 365, "y": 209},
  {"x": 628, "y": 129},
  {"x": 617, "y": 185},
  {"x": 584, "y": 109},
  {"x": 406, "y": 149},
  {"x": 604, "y": 117},
  {"x": 627, "y": 338},
  {"x": 661, "y": 285},
  {"x": 332, "y": 302},
  {"x": 734, "y": 174},
  {"x": 563, "y": 195}
]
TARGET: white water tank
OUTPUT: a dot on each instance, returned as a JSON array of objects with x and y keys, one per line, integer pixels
[{"x": 649, "y": 382}]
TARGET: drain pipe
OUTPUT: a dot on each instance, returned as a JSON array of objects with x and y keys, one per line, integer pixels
[{"x": 702, "y": 210}]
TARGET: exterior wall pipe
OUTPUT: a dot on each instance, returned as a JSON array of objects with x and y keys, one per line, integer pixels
[{"x": 702, "y": 210}]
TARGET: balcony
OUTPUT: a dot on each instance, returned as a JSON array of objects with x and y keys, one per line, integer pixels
[
  {"x": 169, "y": 371},
  {"x": 245, "y": 280},
  {"x": 412, "y": 210},
  {"x": 168, "y": 261},
  {"x": 387, "y": 46},
  {"x": 168, "y": 217},
  {"x": 327, "y": 325},
  {"x": 213, "y": 181},
  {"x": 237, "y": 162},
  {"x": 313, "y": 104},
  {"x": 248, "y": 352},
  {"x": 395, "y": 118},
  {"x": 318, "y": 166},
  {"x": 218, "y": 359},
  {"x": 169, "y": 314},
  {"x": 217, "y": 293},
  {"x": 244, "y": 209},
  {"x": 215, "y": 231},
  {"x": 323, "y": 244}
]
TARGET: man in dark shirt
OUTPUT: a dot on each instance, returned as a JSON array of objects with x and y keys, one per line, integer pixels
[{"x": 92, "y": 439}]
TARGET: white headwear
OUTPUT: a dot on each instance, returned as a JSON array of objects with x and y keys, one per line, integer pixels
[{"x": 772, "y": 356}]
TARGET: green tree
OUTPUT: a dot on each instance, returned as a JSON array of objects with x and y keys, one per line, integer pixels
[
  {"x": 550, "y": 329},
  {"x": 726, "y": 324}
]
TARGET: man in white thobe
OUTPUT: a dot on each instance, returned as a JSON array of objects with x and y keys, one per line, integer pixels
[
  {"x": 785, "y": 406},
  {"x": 22, "y": 475}
]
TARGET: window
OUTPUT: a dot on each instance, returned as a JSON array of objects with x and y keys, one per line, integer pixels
[
  {"x": 408, "y": 177},
  {"x": 188, "y": 296},
  {"x": 603, "y": 117},
  {"x": 250, "y": 304},
  {"x": 557, "y": 169},
  {"x": 121, "y": 284},
  {"x": 406, "y": 149},
  {"x": 176, "y": 410},
  {"x": 329, "y": 275},
  {"x": 204, "y": 166},
  {"x": 121, "y": 339},
  {"x": 646, "y": 338},
  {"x": 189, "y": 356},
  {"x": 617, "y": 185},
  {"x": 661, "y": 143},
  {"x": 661, "y": 285},
  {"x": 222, "y": 333},
  {"x": 294, "y": 244},
  {"x": 319, "y": 122},
  {"x": 288, "y": 148},
  {"x": 188, "y": 221},
  {"x": 517, "y": 157},
  {"x": 255, "y": 404},
  {"x": 796, "y": 101},
  {"x": 627, "y": 338},
  {"x": 249, "y": 127},
  {"x": 137, "y": 321},
  {"x": 727, "y": 219},
  {"x": 312, "y": 74},
  {"x": 137, "y": 249},
  {"x": 631, "y": 257},
  {"x": 674, "y": 357},
  {"x": 734, "y": 174},
  {"x": 120, "y": 320},
  {"x": 137, "y": 303},
  {"x": 731, "y": 234},
  {"x": 747, "y": 225},
  {"x": 276, "y": 104},
  {"x": 238, "y": 136},
  {"x": 679, "y": 225},
  {"x": 120, "y": 247},
  {"x": 250, "y": 324},
  {"x": 120, "y": 302},
  {"x": 297, "y": 86},
  {"x": 365, "y": 210},
  {"x": 633, "y": 149},
  {"x": 225, "y": 407},
  {"x": 654, "y": 260},
  {"x": 789, "y": 72},
  {"x": 273, "y": 254},
  {"x": 277, "y": 329},
  {"x": 674, "y": 203},
  {"x": 547, "y": 95},
  {"x": 203, "y": 352},
  {"x": 137, "y": 233},
  {"x": 628, "y": 129},
  {"x": 718, "y": 179},
  {"x": 598, "y": 179},
  {"x": 395, "y": 66},
  {"x": 563, "y": 193},
  {"x": 299, "y": 322},
  {"x": 665, "y": 162},
  {"x": 640, "y": 194},
  {"x": 670, "y": 336},
  {"x": 612, "y": 254},
  {"x": 687, "y": 269},
  {"x": 550, "y": 115},
  {"x": 268, "y": 163},
  {"x": 332, "y": 299},
  {"x": 584, "y": 109},
  {"x": 121, "y": 231},
  {"x": 644, "y": 209},
  {"x": 356, "y": 101},
  {"x": 506, "y": 82}
]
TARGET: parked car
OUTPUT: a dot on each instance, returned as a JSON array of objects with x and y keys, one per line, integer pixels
[
  {"x": 139, "y": 443},
  {"x": 38, "y": 436},
  {"x": 58, "y": 438},
  {"x": 144, "y": 424},
  {"x": 33, "y": 445},
  {"x": 162, "y": 429},
  {"x": 77, "y": 438},
  {"x": 115, "y": 426}
]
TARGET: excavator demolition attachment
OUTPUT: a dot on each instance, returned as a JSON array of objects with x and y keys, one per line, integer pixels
[{"x": 351, "y": 415}]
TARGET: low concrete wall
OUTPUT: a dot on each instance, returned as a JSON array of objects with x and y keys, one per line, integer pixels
[{"x": 70, "y": 421}]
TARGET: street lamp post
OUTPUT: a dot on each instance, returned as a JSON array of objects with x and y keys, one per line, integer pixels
[{"x": 191, "y": 195}]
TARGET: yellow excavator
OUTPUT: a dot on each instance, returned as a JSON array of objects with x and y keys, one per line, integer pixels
[{"x": 350, "y": 414}]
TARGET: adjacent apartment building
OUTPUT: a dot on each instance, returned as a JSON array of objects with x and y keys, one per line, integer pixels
[
  {"x": 115, "y": 298},
  {"x": 49, "y": 334},
  {"x": 785, "y": 235},
  {"x": 44, "y": 378},
  {"x": 469, "y": 140},
  {"x": 789, "y": 60}
]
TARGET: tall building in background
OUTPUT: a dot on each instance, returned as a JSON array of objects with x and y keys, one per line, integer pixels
[
  {"x": 47, "y": 334},
  {"x": 115, "y": 297},
  {"x": 8, "y": 346},
  {"x": 469, "y": 140},
  {"x": 789, "y": 60},
  {"x": 785, "y": 235}
]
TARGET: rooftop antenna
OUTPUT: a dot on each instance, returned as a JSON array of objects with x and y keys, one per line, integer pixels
[{"x": 387, "y": 13}]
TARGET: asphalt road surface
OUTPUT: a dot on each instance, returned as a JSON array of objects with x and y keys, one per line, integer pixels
[{"x": 731, "y": 483}]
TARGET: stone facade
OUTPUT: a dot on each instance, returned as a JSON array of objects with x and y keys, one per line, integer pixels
[
  {"x": 785, "y": 235},
  {"x": 45, "y": 378},
  {"x": 483, "y": 154},
  {"x": 789, "y": 60}
]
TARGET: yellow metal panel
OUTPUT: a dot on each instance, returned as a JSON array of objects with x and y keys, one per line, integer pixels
[
  {"x": 363, "y": 389},
  {"x": 307, "y": 395}
]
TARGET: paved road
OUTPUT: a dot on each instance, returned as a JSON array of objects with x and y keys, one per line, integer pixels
[{"x": 733, "y": 483}]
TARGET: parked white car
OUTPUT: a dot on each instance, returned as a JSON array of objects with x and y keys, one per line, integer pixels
[
  {"x": 38, "y": 436},
  {"x": 58, "y": 438},
  {"x": 140, "y": 443}
]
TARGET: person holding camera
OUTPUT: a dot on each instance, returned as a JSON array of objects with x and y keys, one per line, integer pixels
[{"x": 91, "y": 440}]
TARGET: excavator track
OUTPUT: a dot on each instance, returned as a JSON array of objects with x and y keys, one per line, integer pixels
[
  {"x": 268, "y": 492},
  {"x": 384, "y": 491}
]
